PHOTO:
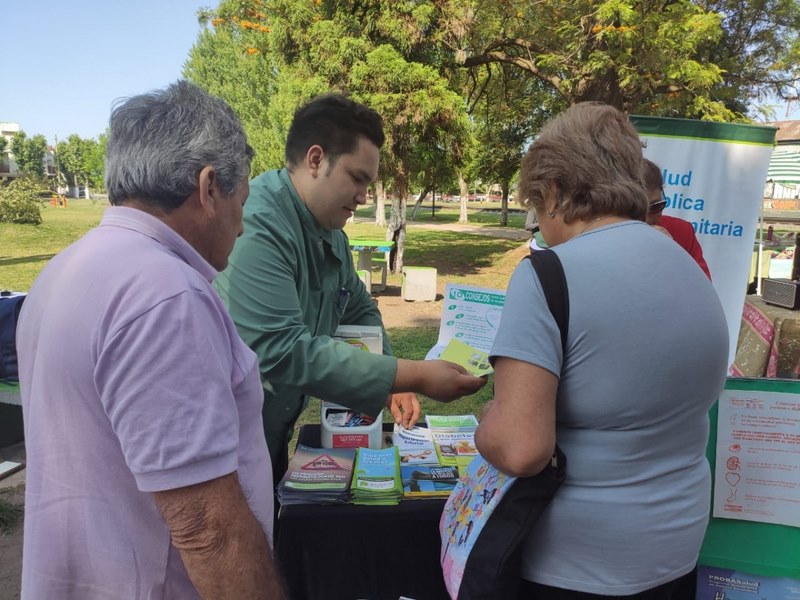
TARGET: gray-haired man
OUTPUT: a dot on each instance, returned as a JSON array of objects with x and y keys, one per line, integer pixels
[{"x": 148, "y": 476}]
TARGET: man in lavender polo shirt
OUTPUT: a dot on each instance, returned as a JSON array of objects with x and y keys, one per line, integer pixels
[{"x": 148, "y": 476}]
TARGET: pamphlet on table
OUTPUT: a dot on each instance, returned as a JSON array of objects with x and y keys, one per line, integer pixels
[
  {"x": 471, "y": 315},
  {"x": 428, "y": 481},
  {"x": 415, "y": 445},
  {"x": 317, "y": 476},
  {"x": 451, "y": 422},
  {"x": 453, "y": 438},
  {"x": 376, "y": 477}
]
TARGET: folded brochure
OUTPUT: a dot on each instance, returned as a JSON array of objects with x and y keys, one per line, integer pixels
[{"x": 475, "y": 361}]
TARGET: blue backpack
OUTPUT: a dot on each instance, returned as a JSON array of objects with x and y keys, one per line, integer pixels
[{"x": 9, "y": 315}]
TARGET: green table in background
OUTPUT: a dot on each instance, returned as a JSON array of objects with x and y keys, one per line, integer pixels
[{"x": 365, "y": 249}]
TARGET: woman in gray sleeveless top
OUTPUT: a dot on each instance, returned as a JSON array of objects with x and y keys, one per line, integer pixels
[{"x": 645, "y": 358}]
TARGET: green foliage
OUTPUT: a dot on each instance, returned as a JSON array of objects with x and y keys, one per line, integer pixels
[
  {"x": 96, "y": 161},
  {"x": 704, "y": 59},
  {"x": 758, "y": 53},
  {"x": 425, "y": 121},
  {"x": 382, "y": 54},
  {"x": 20, "y": 203},
  {"x": 226, "y": 63},
  {"x": 82, "y": 160},
  {"x": 378, "y": 52},
  {"x": 29, "y": 153}
]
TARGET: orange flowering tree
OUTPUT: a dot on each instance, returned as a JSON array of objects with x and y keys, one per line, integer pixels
[{"x": 708, "y": 59}]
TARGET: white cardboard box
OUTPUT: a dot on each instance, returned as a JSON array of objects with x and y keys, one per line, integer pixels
[{"x": 370, "y": 339}]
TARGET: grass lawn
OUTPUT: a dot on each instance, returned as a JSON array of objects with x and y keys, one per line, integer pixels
[
  {"x": 26, "y": 248},
  {"x": 10, "y": 514},
  {"x": 459, "y": 257},
  {"x": 479, "y": 213}
]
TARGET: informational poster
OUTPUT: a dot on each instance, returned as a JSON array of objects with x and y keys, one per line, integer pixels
[
  {"x": 757, "y": 470},
  {"x": 469, "y": 314},
  {"x": 745, "y": 546},
  {"x": 714, "y": 176},
  {"x": 729, "y": 584}
]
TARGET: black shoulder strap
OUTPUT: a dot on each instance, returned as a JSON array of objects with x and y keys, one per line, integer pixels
[{"x": 554, "y": 284}]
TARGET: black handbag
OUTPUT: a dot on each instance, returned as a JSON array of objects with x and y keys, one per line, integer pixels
[{"x": 489, "y": 513}]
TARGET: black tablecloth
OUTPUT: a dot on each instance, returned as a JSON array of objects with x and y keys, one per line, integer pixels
[{"x": 331, "y": 552}]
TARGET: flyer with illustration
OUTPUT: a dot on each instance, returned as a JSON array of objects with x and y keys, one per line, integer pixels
[
  {"x": 757, "y": 474},
  {"x": 471, "y": 315},
  {"x": 475, "y": 361}
]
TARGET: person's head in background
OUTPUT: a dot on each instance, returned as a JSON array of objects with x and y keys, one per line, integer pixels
[
  {"x": 181, "y": 155},
  {"x": 654, "y": 184},
  {"x": 584, "y": 165},
  {"x": 332, "y": 154}
]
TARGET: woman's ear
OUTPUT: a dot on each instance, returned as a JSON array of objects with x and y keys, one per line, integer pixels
[{"x": 552, "y": 199}]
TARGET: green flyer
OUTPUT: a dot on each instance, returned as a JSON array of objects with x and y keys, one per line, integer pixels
[{"x": 475, "y": 361}]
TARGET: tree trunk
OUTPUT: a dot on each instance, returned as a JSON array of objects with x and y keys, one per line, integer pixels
[
  {"x": 418, "y": 203},
  {"x": 464, "y": 191},
  {"x": 504, "y": 206},
  {"x": 77, "y": 189},
  {"x": 380, "y": 204},
  {"x": 397, "y": 223}
]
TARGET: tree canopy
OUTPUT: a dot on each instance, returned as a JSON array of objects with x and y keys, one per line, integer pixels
[
  {"x": 224, "y": 63},
  {"x": 467, "y": 83},
  {"x": 82, "y": 160},
  {"x": 29, "y": 153},
  {"x": 683, "y": 58},
  {"x": 377, "y": 52}
]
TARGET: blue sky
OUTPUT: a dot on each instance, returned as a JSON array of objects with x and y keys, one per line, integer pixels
[{"x": 66, "y": 61}]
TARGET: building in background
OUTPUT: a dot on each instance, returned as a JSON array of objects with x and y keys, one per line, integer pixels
[
  {"x": 782, "y": 190},
  {"x": 8, "y": 168}
]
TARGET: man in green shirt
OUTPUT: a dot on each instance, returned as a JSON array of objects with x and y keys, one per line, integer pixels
[{"x": 291, "y": 281}]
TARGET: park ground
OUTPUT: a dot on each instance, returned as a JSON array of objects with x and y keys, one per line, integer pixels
[{"x": 479, "y": 253}]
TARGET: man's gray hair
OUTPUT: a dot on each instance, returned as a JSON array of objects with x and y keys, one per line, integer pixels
[{"x": 160, "y": 141}]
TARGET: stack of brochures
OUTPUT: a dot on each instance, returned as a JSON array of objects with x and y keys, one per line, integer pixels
[
  {"x": 376, "y": 477},
  {"x": 453, "y": 438},
  {"x": 415, "y": 446},
  {"x": 317, "y": 476},
  {"x": 428, "y": 481}
]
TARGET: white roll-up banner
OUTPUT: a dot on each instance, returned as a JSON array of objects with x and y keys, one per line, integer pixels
[{"x": 714, "y": 176}]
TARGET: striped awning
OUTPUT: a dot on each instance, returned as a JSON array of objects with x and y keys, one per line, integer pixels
[{"x": 784, "y": 167}]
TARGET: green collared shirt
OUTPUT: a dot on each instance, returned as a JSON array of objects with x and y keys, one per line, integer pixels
[{"x": 283, "y": 287}]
